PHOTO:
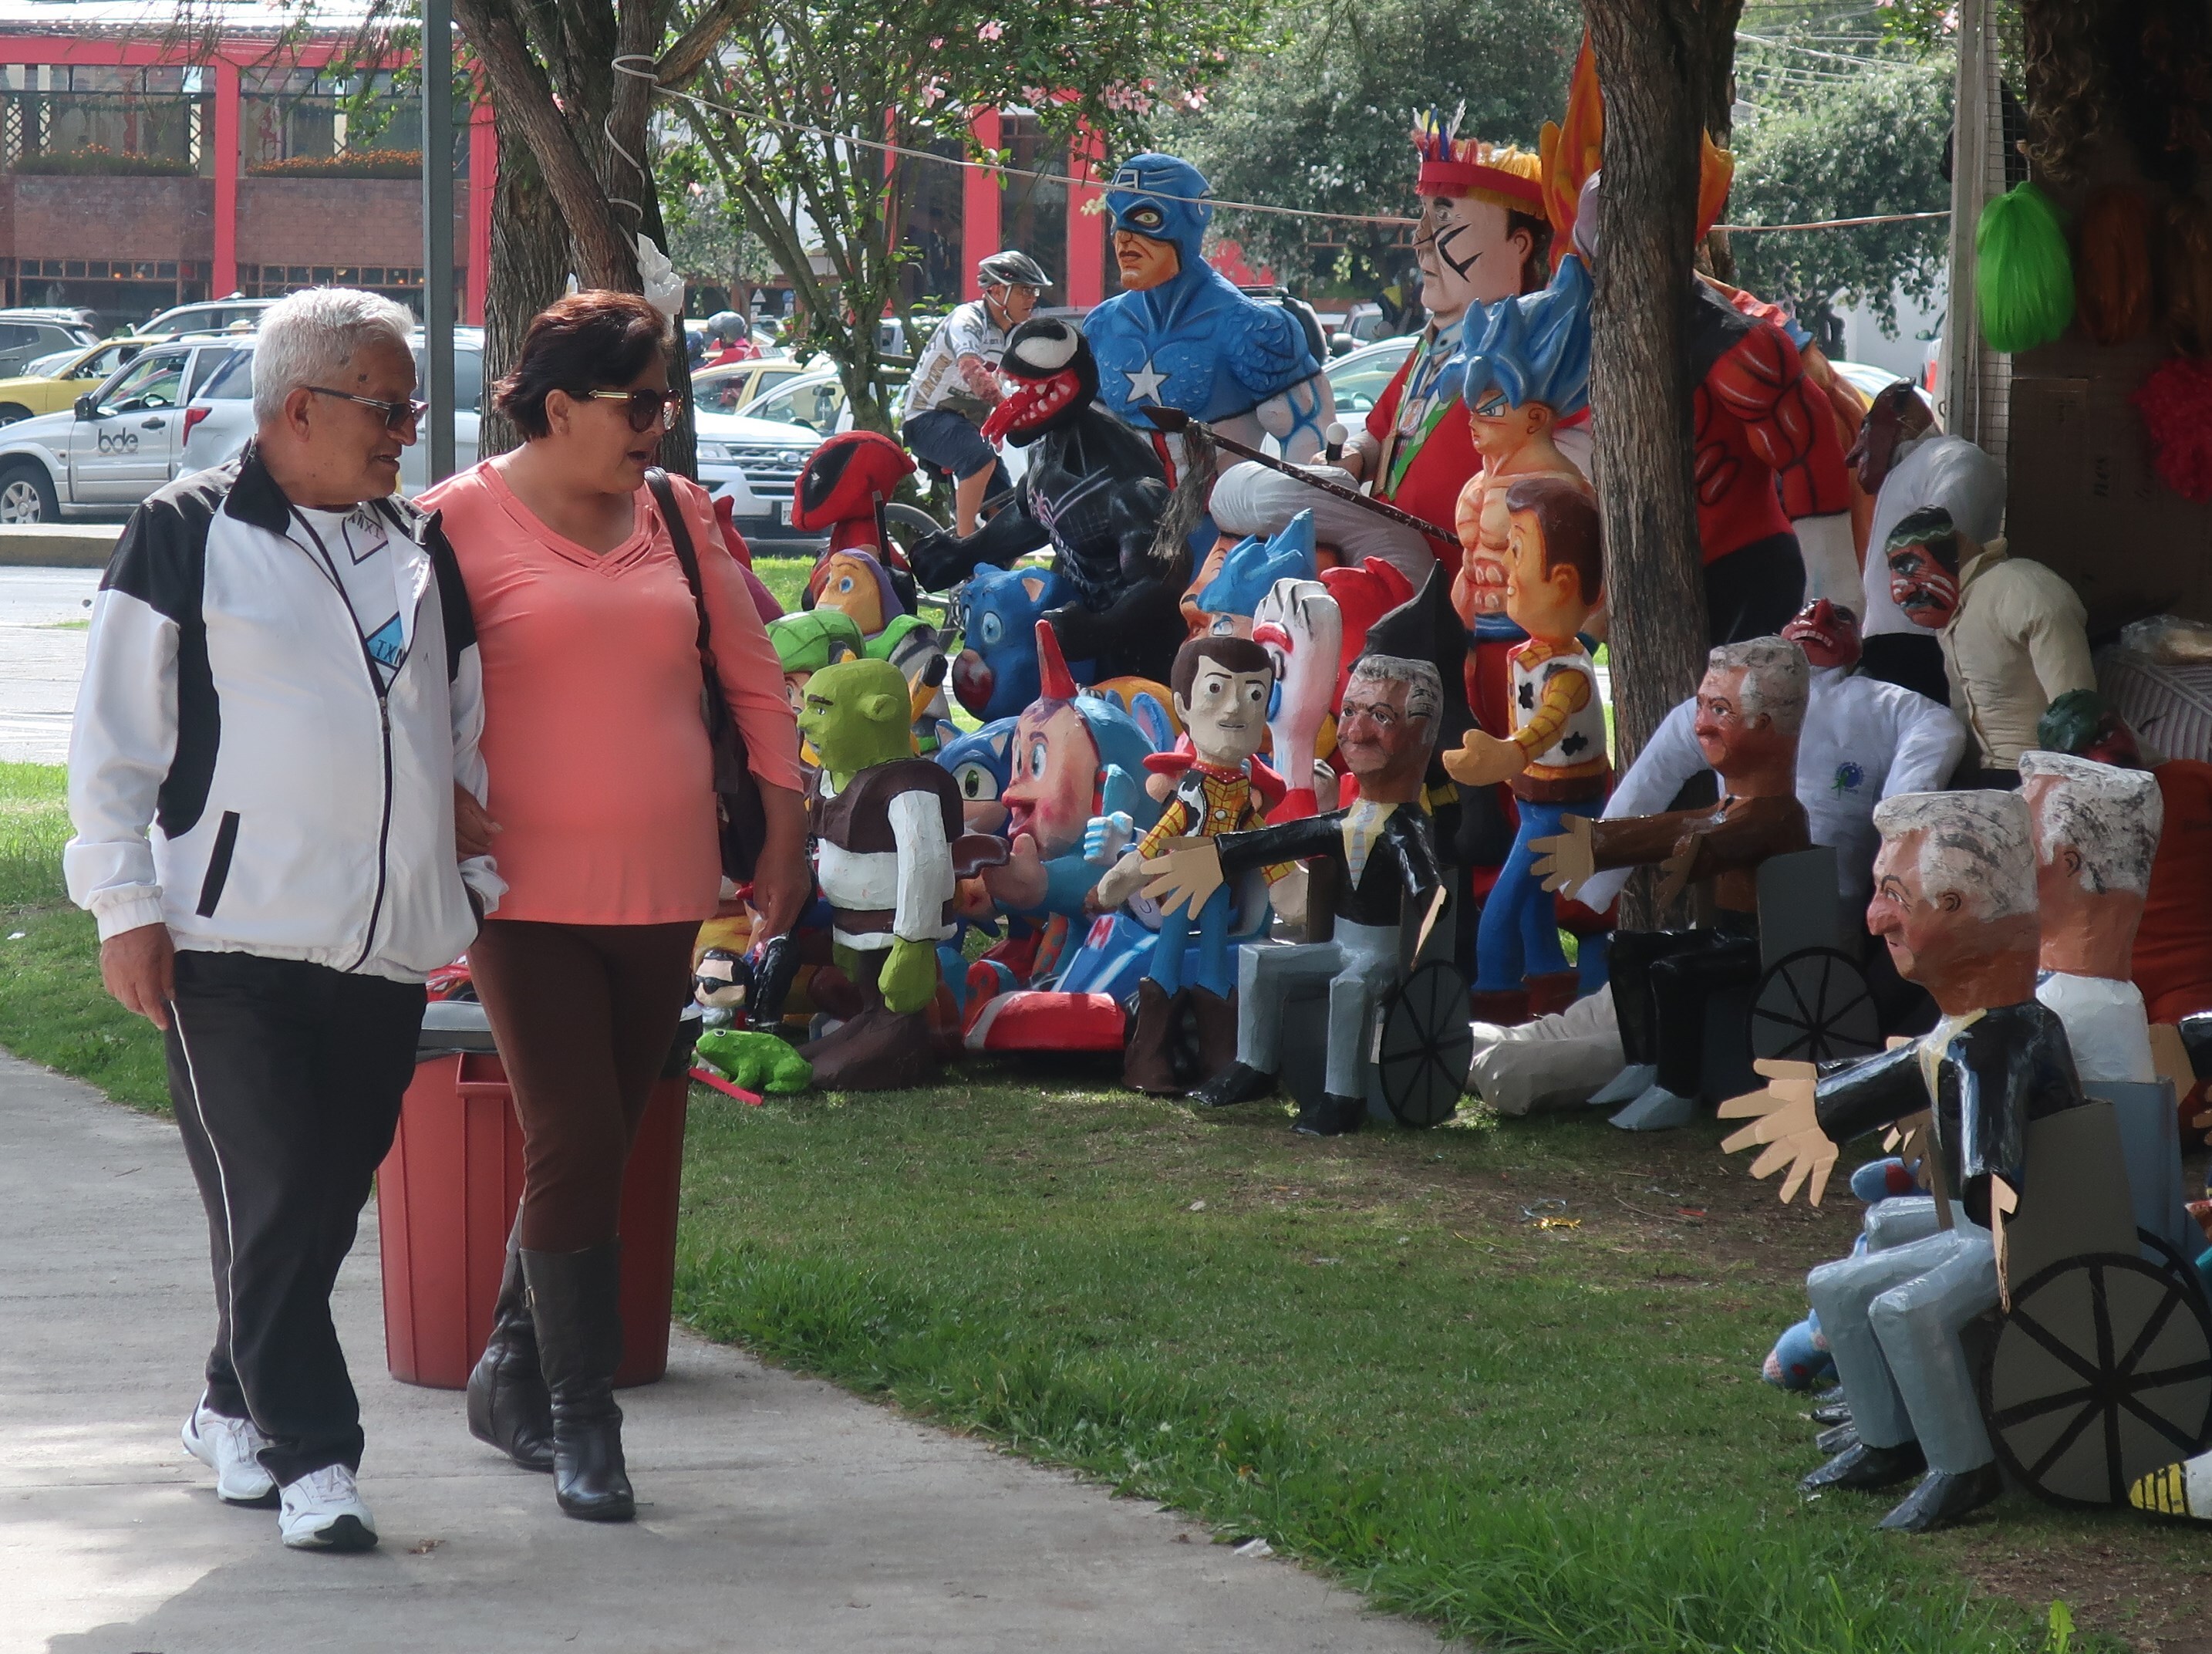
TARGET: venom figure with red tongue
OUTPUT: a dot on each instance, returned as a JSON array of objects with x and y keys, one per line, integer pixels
[{"x": 1095, "y": 493}]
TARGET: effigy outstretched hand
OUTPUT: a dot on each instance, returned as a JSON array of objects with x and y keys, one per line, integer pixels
[{"x": 1784, "y": 1118}]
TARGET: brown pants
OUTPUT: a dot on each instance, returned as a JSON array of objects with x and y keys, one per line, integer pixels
[{"x": 584, "y": 1016}]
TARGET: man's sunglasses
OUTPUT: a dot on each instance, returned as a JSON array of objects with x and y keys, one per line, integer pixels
[
  {"x": 398, "y": 416},
  {"x": 647, "y": 408}
]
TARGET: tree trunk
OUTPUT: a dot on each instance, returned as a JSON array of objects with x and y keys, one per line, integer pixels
[
  {"x": 529, "y": 270},
  {"x": 1653, "y": 62}
]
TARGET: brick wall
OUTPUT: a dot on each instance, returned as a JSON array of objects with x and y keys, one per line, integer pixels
[
  {"x": 351, "y": 221},
  {"x": 115, "y": 218},
  {"x": 281, "y": 221}
]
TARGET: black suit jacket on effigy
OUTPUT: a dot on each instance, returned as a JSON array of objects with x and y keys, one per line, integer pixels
[
  {"x": 2011, "y": 1066},
  {"x": 1402, "y": 862}
]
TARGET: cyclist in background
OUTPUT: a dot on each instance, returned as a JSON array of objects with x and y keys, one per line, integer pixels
[{"x": 956, "y": 382}]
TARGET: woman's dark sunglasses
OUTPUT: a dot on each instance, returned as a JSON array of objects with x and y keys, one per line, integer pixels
[
  {"x": 398, "y": 416},
  {"x": 647, "y": 408}
]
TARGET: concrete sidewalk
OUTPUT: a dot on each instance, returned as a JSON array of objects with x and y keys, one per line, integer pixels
[{"x": 778, "y": 1514}]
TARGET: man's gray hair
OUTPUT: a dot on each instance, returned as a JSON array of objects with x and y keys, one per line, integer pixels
[
  {"x": 1776, "y": 679},
  {"x": 2110, "y": 816},
  {"x": 1974, "y": 844},
  {"x": 1424, "y": 690},
  {"x": 307, "y": 339}
]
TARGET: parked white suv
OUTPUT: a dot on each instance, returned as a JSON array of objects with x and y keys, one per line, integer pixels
[{"x": 117, "y": 445}]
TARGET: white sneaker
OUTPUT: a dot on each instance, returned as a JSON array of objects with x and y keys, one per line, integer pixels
[
  {"x": 323, "y": 1512},
  {"x": 228, "y": 1447}
]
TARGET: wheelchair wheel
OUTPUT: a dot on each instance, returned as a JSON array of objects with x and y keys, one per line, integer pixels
[
  {"x": 2101, "y": 1373},
  {"x": 1814, "y": 1006},
  {"x": 1427, "y": 1045}
]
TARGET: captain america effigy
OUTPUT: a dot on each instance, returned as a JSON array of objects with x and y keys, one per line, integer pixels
[{"x": 1182, "y": 335}]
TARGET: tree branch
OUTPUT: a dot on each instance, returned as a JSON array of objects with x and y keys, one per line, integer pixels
[{"x": 696, "y": 44}]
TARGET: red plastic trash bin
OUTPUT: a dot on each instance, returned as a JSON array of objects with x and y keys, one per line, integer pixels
[{"x": 446, "y": 1195}]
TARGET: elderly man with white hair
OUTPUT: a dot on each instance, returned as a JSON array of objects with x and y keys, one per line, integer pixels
[
  {"x": 2095, "y": 828},
  {"x": 1955, "y": 902},
  {"x": 1386, "y": 864},
  {"x": 276, "y": 731},
  {"x": 1750, "y": 709}
]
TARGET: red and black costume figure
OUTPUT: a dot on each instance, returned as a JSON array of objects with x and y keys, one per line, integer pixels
[
  {"x": 842, "y": 489},
  {"x": 1767, "y": 454}
]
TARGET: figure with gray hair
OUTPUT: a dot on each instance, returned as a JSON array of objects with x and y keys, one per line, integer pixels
[
  {"x": 2095, "y": 829},
  {"x": 1386, "y": 858},
  {"x": 1751, "y": 707},
  {"x": 276, "y": 731},
  {"x": 1955, "y": 903}
]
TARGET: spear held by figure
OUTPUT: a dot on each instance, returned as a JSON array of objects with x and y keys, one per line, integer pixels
[{"x": 1174, "y": 422}]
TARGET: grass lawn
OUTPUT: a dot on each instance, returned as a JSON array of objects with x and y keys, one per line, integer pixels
[{"x": 1502, "y": 1376}]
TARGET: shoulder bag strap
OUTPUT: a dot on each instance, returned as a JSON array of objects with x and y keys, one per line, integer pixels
[{"x": 679, "y": 536}]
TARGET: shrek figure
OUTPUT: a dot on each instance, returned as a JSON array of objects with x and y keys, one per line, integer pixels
[{"x": 889, "y": 848}]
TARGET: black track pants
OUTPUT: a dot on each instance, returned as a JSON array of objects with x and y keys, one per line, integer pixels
[{"x": 287, "y": 1078}]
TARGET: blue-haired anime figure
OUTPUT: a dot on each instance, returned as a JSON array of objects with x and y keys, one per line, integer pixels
[
  {"x": 1181, "y": 336},
  {"x": 1525, "y": 367}
]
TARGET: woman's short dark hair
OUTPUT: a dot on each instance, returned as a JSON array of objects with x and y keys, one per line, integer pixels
[{"x": 595, "y": 341}]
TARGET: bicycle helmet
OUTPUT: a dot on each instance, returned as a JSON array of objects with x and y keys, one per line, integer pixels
[{"x": 1012, "y": 269}]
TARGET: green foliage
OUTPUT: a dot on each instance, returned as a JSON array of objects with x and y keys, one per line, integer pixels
[
  {"x": 1825, "y": 139},
  {"x": 2023, "y": 271},
  {"x": 910, "y": 75},
  {"x": 1320, "y": 116}
]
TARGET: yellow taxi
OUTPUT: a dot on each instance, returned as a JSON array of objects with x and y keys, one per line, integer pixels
[
  {"x": 52, "y": 383},
  {"x": 736, "y": 385}
]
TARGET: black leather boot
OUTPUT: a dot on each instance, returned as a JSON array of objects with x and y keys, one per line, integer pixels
[
  {"x": 509, "y": 1406},
  {"x": 1864, "y": 1466},
  {"x": 573, "y": 1297},
  {"x": 1943, "y": 1497},
  {"x": 1329, "y": 1116}
]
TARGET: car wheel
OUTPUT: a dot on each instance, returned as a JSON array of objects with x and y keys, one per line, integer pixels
[
  {"x": 26, "y": 494},
  {"x": 12, "y": 411}
]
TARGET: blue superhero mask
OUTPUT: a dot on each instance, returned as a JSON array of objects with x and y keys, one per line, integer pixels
[{"x": 1180, "y": 220}]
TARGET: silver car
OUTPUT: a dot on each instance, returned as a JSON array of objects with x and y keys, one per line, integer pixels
[{"x": 117, "y": 445}]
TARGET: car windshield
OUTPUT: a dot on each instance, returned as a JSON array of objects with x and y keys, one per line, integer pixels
[
  {"x": 721, "y": 393},
  {"x": 815, "y": 404},
  {"x": 49, "y": 366},
  {"x": 1359, "y": 385}
]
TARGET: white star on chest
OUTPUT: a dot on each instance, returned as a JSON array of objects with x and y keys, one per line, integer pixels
[{"x": 1145, "y": 383}]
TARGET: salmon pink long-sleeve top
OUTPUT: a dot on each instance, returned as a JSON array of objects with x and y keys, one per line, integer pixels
[{"x": 594, "y": 737}]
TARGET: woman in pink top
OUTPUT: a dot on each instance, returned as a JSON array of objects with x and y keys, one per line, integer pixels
[{"x": 601, "y": 790}]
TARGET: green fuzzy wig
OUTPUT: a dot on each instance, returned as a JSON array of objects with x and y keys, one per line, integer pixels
[{"x": 2023, "y": 273}]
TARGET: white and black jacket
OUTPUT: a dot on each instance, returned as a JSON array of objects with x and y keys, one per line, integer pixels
[{"x": 229, "y": 703}]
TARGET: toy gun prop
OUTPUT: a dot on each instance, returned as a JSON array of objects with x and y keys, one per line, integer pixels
[{"x": 1175, "y": 422}]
